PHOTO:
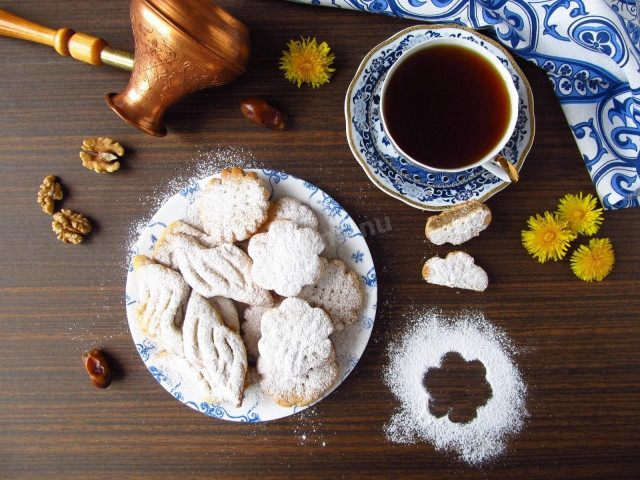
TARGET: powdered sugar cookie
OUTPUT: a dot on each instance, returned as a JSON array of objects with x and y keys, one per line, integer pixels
[
  {"x": 223, "y": 271},
  {"x": 217, "y": 351},
  {"x": 458, "y": 224},
  {"x": 251, "y": 332},
  {"x": 234, "y": 206},
  {"x": 228, "y": 312},
  {"x": 288, "y": 208},
  {"x": 338, "y": 292},
  {"x": 456, "y": 270},
  {"x": 163, "y": 250},
  {"x": 162, "y": 295},
  {"x": 184, "y": 380},
  {"x": 297, "y": 360},
  {"x": 286, "y": 258}
]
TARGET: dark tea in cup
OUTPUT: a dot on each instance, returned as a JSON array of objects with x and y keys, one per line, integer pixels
[{"x": 449, "y": 104}]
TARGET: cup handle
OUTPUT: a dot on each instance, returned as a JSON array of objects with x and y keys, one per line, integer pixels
[{"x": 502, "y": 168}]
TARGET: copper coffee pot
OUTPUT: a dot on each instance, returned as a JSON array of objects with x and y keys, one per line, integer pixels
[{"x": 181, "y": 46}]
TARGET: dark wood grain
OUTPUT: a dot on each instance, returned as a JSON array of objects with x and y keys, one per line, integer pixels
[{"x": 580, "y": 342}]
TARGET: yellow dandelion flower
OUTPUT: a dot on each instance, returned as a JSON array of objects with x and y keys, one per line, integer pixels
[
  {"x": 580, "y": 213},
  {"x": 593, "y": 262},
  {"x": 307, "y": 62},
  {"x": 548, "y": 237}
]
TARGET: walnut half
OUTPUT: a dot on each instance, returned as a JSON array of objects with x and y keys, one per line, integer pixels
[
  {"x": 50, "y": 190},
  {"x": 70, "y": 227},
  {"x": 101, "y": 154}
]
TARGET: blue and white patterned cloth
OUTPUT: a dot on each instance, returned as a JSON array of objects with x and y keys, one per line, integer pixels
[{"x": 591, "y": 52}]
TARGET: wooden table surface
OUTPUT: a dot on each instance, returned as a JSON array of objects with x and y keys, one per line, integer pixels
[{"x": 579, "y": 342}]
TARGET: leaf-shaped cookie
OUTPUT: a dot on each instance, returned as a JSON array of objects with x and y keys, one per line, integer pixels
[
  {"x": 228, "y": 312},
  {"x": 216, "y": 350},
  {"x": 297, "y": 359},
  {"x": 223, "y": 271},
  {"x": 163, "y": 250},
  {"x": 162, "y": 296}
]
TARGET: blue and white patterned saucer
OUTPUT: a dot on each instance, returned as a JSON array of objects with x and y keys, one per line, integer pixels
[
  {"x": 387, "y": 169},
  {"x": 343, "y": 240}
]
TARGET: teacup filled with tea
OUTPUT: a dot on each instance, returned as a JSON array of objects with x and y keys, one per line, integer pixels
[{"x": 448, "y": 104}]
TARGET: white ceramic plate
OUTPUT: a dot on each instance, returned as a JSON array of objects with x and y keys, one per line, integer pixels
[
  {"x": 344, "y": 240},
  {"x": 386, "y": 168}
]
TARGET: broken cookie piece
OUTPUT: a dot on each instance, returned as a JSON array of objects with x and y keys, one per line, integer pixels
[{"x": 456, "y": 270}]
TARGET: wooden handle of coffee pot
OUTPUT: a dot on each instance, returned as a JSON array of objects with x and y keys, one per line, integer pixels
[{"x": 65, "y": 41}]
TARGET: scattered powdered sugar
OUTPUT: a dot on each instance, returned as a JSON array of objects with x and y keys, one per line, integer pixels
[
  {"x": 311, "y": 431},
  {"x": 428, "y": 338},
  {"x": 207, "y": 163}
]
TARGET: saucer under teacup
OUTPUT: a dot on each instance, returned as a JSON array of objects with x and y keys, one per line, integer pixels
[{"x": 388, "y": 170}]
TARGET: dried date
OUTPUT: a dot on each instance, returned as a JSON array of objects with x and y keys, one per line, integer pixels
[
  {"x": 97, "y": 368},
  {"x": 260, "y": 112}
]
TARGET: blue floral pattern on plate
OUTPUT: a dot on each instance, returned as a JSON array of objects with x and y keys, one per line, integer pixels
[
  {"x": 387, "y": 169},
  {"x": 338, "y": 229}
]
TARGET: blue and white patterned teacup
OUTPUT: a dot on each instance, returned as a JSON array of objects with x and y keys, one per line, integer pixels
[{"x": 487, "y": 160}]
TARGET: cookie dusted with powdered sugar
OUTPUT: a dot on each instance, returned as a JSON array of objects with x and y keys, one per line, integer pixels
[
  {"x": 217, "y": 351},
  {"x": 458, "y": 224},
  {"x": 286, "y": 257},
  {"x": 288, "y": 208},
  {"x": 223, "y": 271},
  {"x": 297, "y": 359},
  {"x": 251, "y": 329},
  {"x": 234, "y": 206},
  {"x": 338, "y": 292},
  {"x": 162, "y": 296},
  {"x": 456, "y": 270},
  {"x": 163, "y": 250},
  {"x": 228, "y": 312}
]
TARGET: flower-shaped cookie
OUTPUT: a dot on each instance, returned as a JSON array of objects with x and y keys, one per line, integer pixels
[
  {"x": 234, "y": 206},
  {"x": 286, "y": 258},
  {"x": 291, "y": 209},
  {"x": 338, "y": 292},
  {"x": 297, "y": 360}
]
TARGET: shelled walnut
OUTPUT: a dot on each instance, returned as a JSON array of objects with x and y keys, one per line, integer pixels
[
  {"x": 50, "y": 191},
  {"x": 101, "y": 154},
  {"x": 70, "y": 227}
]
